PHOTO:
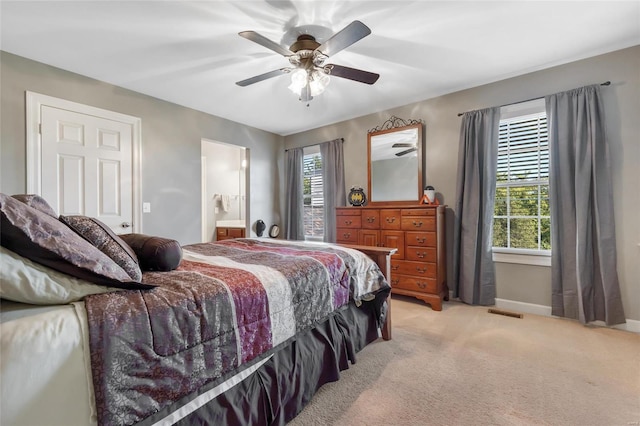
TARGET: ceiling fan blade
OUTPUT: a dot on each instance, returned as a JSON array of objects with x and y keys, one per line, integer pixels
[
  {"x": 406, "y": 151},
  {"x": 344, "y": 38},
  {"x": 263, "y": 41},
  {"x": 402, "y": 145},
  {"x": 261, "y": 77},
  {"x": 352, "y": 74}
]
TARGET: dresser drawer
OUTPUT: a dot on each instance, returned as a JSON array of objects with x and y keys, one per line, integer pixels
[
  {"x": 346, "y": 235},
  {"x": 390, "y": 219},
  {"x": 421, "y": 239},
  {"x": 352, "y": 222},
  {"x": 369, "y": 237},
  {"x": 349, "y": 211},
  {"x": 393, "y": 239},
  {"x": 417, "y": 269},
  {"x": 418, "y": 212},
  {"x": 370, "y": 219},
  {"x": 418, "y": 223},
  {"x": 236, "y": 233},
  {"x": 421, "y": 254},
  {"x": 423, "y": 285}
]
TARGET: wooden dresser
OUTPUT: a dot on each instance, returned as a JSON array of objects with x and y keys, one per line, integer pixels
[
  {"x": 227, "y": 233},
  {"x": 418, "y": 268}
]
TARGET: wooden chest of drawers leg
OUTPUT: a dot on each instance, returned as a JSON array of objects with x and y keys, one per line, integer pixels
[{"x": 434, "y": 300}]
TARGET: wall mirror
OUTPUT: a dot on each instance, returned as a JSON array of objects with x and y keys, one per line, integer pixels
[{"x": 395, "y": 162}]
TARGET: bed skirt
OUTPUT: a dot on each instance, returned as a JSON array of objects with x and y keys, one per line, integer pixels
[{"x": 284, "y": 382}]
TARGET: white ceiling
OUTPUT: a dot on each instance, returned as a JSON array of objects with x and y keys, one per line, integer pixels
[{"x": 190, "y": 53}]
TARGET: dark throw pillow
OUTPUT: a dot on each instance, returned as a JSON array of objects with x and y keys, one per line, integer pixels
[
  {"x": 45, "y": 240},
  {"x": 155, "y": 253},
  {"x": 101, "y": 236}
]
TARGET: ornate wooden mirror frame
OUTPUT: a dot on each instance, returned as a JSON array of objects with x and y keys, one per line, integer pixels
[{"x": 394, "y": 163}]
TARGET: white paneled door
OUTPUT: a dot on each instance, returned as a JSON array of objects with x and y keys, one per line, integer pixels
[{"x": 86, "y": 164}]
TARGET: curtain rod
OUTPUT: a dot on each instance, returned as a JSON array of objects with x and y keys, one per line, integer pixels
[
  {"x": 313, "y": 144},
  {"x": 606, "y": 83}
]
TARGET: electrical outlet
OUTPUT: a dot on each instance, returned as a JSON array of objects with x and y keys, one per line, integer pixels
[{"x": 146, "y": 207}]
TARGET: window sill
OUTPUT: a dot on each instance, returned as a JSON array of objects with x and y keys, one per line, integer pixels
[
  {"x": 313, "y": 239},
  {"x": 524, "y": 259}
]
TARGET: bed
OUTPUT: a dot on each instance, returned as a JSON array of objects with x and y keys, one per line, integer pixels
[{"x": 235, "y": 332}]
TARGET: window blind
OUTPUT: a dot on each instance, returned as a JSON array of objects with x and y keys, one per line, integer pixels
[
  {"x": 521, "y": 215},
  {"x": 313, "y": 196}
]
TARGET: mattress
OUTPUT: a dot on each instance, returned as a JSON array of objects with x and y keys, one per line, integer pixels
[{"x": 44, "y": 365}]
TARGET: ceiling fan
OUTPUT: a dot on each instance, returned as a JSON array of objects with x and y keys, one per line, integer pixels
[
  {"x": 309, "y": 73},
  {"x": 411, "y": 147}
]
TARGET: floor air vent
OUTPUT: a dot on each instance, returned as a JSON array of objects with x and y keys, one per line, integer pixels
[{"x": 505, "y": 313}]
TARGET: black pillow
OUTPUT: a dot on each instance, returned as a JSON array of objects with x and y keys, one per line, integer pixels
[
  {"x": 45, "y": 240},
  {"x": 154, "y": 253}
]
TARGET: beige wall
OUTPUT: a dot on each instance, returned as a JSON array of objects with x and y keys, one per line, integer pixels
[
  {"x": 523, "y": 283},
  {"x": 171, "y": 136}
]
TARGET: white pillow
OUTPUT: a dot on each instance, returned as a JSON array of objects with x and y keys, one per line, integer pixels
[{"x": 22, "y": 280}]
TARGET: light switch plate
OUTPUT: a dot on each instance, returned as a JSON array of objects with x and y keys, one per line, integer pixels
[{"x": 146, "y": 207}]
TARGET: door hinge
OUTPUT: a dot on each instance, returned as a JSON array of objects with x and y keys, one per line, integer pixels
[{"x": 39, "y": 128}]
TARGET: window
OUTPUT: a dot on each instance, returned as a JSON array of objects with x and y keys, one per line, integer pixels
[
  {"x": 313, "y": 194},
  {"x": 521, "y": 221}
]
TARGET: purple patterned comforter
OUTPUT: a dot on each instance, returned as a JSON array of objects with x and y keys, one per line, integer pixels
[{"x": 227, "y": 303}]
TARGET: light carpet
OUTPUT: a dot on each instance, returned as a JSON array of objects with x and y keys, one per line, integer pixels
[{"x": 465, "y": 366}]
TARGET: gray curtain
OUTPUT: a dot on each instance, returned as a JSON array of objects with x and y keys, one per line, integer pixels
[
  {"x": 584, "y": 278},
  {"x": 294, "y": 220},
  {"x": 333, "y": 184},
  {"x": 473, "y": 267}
]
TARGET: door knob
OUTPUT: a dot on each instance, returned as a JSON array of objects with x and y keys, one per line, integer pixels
[{"x": 125, "y": 225}]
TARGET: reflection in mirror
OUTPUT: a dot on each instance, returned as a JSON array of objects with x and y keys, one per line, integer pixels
[{"x": 395, "y": 165}]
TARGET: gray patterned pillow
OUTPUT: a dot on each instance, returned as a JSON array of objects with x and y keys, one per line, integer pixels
[
  {"x": 45, "y": 240},
  {"x": 37, "y": 202},
  {"x": 101, "y": 236}
]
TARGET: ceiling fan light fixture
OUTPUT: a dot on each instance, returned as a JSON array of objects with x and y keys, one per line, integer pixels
[
  {"x": 318, "y": 81},
  {"x": 299, "y": 79},
  {"x": 309, "y": 73}
]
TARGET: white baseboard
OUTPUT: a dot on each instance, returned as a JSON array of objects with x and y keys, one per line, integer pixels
[
  {"x": 525, "y": 308},
  {"x": 531, "y": 308},
  {"x": 631, "y": 325}
]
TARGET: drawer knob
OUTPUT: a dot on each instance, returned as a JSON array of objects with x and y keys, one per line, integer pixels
[
  {"x": 347, "y": 235},
  {"x": 421, "y": 240},
  {"x": 371, "y": 219},
  {"x": 391, "y": 219},
  {"x": 421, "y": 285},
  {"x": 421, "y": 255},
  {"x": 417, "y": 224},
  {"x": 394, "y": 267},
  {"x": 348, "y": 222},
  {"x": 421, "y": 270},
  {"x": 394, "y": 282}
]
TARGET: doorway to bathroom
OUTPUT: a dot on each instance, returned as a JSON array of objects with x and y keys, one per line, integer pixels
[{"x": 224, "y": 187}]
